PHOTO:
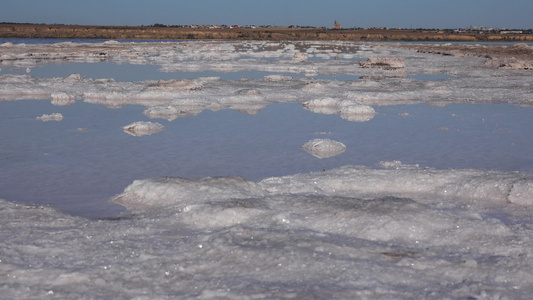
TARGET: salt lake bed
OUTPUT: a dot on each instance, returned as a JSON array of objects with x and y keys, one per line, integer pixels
[{"x": 265, "y": 170}]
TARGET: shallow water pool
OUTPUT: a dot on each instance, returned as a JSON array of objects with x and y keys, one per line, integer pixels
[{"x": 79, "y": 163}]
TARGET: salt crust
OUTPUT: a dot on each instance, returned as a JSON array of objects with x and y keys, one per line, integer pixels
[
  {"x": 511, "y": 63},
  {"x": 385, "y": 63},
  {"x": 398, "y": 180},
  {"x": 142, "y": 128},
  {"x": 300, "y": 57},
  {"x": 278, "y": 246},
  {"x": 324, "y": 148},
  {"x": 61, "y": 99},
  {"x": 343, "y": 233},
  {"x": 348, "y": 109},
  {"x": 51, "y": 117},
  {"x": 382, "y": 83}
]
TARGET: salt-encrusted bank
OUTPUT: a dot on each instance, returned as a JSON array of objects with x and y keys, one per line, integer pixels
[
  {"x": 325, "y": 235},
  {"x": 425, "y": 185},
  {"x": 384, "y": 74},
  {"x": 389, "y": 232}
]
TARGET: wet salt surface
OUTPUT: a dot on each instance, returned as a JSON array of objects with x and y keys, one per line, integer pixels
[
  {"x": 424, "y": 202},
  {"x": 81, "y": 162},
  {"x": 430, "y": 77}
]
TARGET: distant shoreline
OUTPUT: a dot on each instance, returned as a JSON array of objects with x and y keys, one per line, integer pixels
[{"x": 26, "y": 31}]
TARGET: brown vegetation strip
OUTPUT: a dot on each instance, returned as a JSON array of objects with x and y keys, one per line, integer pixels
[{"x": 274, "y": 33}]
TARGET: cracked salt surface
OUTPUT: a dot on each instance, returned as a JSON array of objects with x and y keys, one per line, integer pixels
[{"x": 426, "y": 201}]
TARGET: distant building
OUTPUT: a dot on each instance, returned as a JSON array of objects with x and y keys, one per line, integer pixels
[{"x": 337, "y": 25}]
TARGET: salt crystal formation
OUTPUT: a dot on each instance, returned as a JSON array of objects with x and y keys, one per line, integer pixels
[
  {"x": 51, "y": 117},
  {"x": 511, "y": 63},
  {"x": 142, "y": 128},
  {"x": 385, "y": 63},
  {"x": 174, "y": 85},
  {"x": 183, "y": 192},
  {"x": 300, "y": 57},
  {"x": 73, "y": 78},
  {"x": 382, "y": 73},
  {"x": 357, "y": 113},
  {"x": 425, "y": 185},
  {"x": 61, "y": 99},
  {"x": 348, "y": 109},
  {"x": 324, "y": 148}
]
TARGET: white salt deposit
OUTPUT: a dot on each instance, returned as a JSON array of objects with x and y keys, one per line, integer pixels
[
  {"x": 174, "y": 85},
  {"x": 51, "y": 117},
  {"x": 300, "y": 57},
  {"x": 164, "y": 192},
  {"x": 348, "y": 109},
  {"x": 357, "y": 113},
  {"x": 73, "y": 78},
  {"x": 385, "y": 63},
  {"x": 421, "y": 184},
  {"x": 61, "y": 99},
  {"x": 277, "y": 78},
  {"x": 391, "y": 232},
  {"x": 324, "y": 148},
  {"x": 385, "y": 84},
  {"x": 512, "y": 64},
  {"x": 142, "y": 128},
  {"x": 172, "y": 111},
  {"x": 307, "y": 235}
]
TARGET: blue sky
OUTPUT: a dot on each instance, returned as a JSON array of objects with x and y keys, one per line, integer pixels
[{"x": 350, "y": 13}]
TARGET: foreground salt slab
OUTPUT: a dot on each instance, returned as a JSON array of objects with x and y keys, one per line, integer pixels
[
  {"x": 179, "y": 191},
  {"x": 280, "y": 246},
  {"x": 421, "y": 184},
  {"x": 325, "y": 234}
]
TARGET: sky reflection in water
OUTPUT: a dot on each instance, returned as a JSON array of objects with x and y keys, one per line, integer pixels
[{"x": 80, "y": 162}]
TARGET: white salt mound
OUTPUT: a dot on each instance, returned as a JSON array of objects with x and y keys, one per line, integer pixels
[
  {"x": 425, "y": 185},
  {"x": 321, "y": 102},
  {"x": 175, "y": 85},
  {"x": 358, "y": 113},
  {"x": 348, "y": 109},
  {"x": 384, "y": 63},
  {"x": 73, "y": 77},
  {"x": 276, "y": 78},
  {"x": 142, "y": 128},
  {"x": 299, "y": 57},
  {"x": 51, "y": 117},
  {"x": 324, "y": 148},
  {"x": 61, "y": 99},
  {"x": 143, "y": 194}
]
